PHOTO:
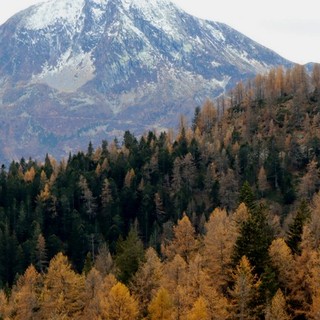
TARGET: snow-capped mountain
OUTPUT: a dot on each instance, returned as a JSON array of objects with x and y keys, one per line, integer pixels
[{"x": 72, "y": 71}]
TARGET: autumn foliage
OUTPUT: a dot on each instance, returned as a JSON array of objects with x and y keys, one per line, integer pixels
[{"x": 220, "y": 220}]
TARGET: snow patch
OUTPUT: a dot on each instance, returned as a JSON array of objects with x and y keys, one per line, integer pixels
[
  {"x": 160, "y": 13},
  {"x": 98, "y": 13},
  {"x": 214, "y": 30},
  {"x": 71, "y": 72},
  {"x": 215, "y": 64},
  {"x": 241, "y": 58},
  {"x": 25, "y": 115},
  {"x": 95, "y": 131},
  {"x": 50, "y": 12}
]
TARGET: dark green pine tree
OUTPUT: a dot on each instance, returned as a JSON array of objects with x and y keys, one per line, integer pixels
[
  {"x": 90, "y": 150},
  {"x": 10, "y": 257},
  {"x": 88, "y": 264},
  {"x": 181, "y": 145},
  {"x": 130, "y": 253},
  {"x": 296, "y": 227},
  {"x": 195, "y": 118},
  {"x": 256, "y": 234},
  {"x": 247, "y": 196},
  {"x": 48, "y": 169}
]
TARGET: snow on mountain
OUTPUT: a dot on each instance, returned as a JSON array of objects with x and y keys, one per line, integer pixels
[
  {"x": 51, "y": 12},
  {"x": 70, "y": 73},
  {"x": 74, "y": 70}
]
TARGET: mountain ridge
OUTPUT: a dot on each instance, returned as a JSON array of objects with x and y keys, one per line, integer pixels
[{"x": 109, "y": 66}]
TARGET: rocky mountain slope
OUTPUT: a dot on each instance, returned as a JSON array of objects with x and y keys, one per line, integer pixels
[{"x": 78, "y": 70}]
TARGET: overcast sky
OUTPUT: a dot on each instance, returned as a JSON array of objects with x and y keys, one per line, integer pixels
[{"x": 291, "y": 28}]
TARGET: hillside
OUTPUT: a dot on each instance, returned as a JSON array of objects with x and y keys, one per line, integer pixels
[
  {"x": 243, "y": 178},
  {"x": 79, "y": 70}
]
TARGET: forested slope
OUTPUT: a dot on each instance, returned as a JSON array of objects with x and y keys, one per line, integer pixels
[{"x": 240, "y": 184}]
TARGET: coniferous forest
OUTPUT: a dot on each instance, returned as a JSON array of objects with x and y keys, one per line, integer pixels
[{"x": 218, "y": 221}]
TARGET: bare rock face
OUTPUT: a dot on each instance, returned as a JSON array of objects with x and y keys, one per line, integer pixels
[{"x": 72, "y": 71}]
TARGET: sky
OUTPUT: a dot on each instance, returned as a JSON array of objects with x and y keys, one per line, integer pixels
[{"x": 290, "y": 28}]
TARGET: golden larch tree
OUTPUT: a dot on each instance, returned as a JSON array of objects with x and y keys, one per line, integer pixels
[
  {"x": 219, "y": 241},
  {"x": 147, "y": 279},
  {"x": 263, "y": 183},
  {"x": 314, "y": 312},
  {"x": 199, "y": 284},
  {"x": 4, "y": 307},
  {"x": 174, "y": 273},
  {"x": 174, "y": 280},
  {"x": 282, "y": 260},
  {"x": 63, "y": 292},
  {"x": 106, "y": 194},
  {"x": 120, "y": 304},
  {"x": 25, "y": 295},
  {"x": 41, "y": 253},
  {"x": 93, "y": 284},
  {"x": 161, "y": 306},
  {"x": 280, "y": 82},
  {"x": 244, "y": 292},
  {"x": 109, "y": 281},
  {"x": 304, "y": 285},
  {"x": 240, "y": 216},
  {"x": 316, "y": 77},
  {"x": 310, "y": 181},
  {"x": 199, "y": 310},
  {"x": 311, "y": 233},
  {"x": 29, "y": 175},
  {"x": 207, "y": 117},
  {"x": 277, "y": 309},
  {"x": 184, "y": 242},
  {"x": 88, "y": 198},
  {"x": 129, "y": 178},
  {"x": 104, "y": 262}
]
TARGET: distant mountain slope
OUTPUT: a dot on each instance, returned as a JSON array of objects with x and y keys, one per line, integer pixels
[{"x": 78, "y": 70}]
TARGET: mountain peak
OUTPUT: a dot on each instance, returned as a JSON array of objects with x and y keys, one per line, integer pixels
[
  {"x": 147, "y": 3},
  {"x": 50, "y": 12},
  {"x": 46, "y": 14},
  {"x": 79, "y": 70}
]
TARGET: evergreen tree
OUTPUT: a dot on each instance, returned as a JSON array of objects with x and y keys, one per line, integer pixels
[
  {"x": 247, "y": 196},
  {"x": 129, "y": 255},
  {"x": 296, "y": 227},
  {"x": 254, "y": 240}
]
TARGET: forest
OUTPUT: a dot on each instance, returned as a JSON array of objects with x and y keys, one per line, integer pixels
[{"x": 220, "y": 220}]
